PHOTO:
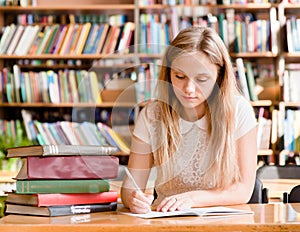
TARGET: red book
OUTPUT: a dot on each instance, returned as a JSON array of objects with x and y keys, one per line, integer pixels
[
  {"x": 45, "y": 199},
  {"x": 69, "y": 167}
]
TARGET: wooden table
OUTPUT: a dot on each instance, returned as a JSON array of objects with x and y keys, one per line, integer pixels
[{"x": 266, "y": 217}]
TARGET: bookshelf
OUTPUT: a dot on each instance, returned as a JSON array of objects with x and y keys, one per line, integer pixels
[{"x": 268, "y": 60}]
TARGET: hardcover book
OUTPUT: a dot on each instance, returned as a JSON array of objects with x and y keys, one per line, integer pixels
[
  {"x": 62, "y": 210},
  {"x": 52, "y": 199},
  {"x": 62, "y": 186},
  {"x": 58, "y": 150},
  {"x": 69, "y": 167}
]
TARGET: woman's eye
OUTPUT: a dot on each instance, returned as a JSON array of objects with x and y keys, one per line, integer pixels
[
  {"x": 202, "y": 80},
  {"x": 179, "y": 76}
]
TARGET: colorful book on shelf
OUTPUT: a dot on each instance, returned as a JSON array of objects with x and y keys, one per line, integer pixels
[
  {"x": 114, "y": 137},
  {"x": 26, "y": 40},
  {"x": 91, "y": 39},
  {"x": 75, "y": 38},
  {"x": 46, "y": 35},
  {"x": 62, "y": 186},
  {"x": 96, "y": 39},
  {"x": 52, "y": 39},
  {"x": 15, "y": 40},
  {"x": 69, "y": 167},
  {"x": 124, "y": 43},
  {"x": 251, "y": 81},
  {"x": 51, "y": 199},
  {"x": 68, "y": 129},
  {"x": 107, "y": 40},
  {"x": 110, "y": 49},
  {"x": 67, "y": 40},
  {"x": 100, "y": 44},
  {"x": 60, "y": 39},
  {"x": 89, "y": 131},
  {"x": 7, "y": 36},
  {"x": 242, "y": 79},
  {"x": 59, "y": 150},
  {"x": 61, "y": 210},
  {"x": 83, "y": 38},
  {"x": 37, "y": 40}
]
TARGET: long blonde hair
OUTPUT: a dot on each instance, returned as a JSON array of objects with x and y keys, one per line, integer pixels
[{"x": 223, "y": 163}]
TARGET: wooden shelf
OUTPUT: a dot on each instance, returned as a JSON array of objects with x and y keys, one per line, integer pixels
[
  {"x": 265, "y": 152},
  {"x": 248, "y": 7},
  {"x": 69, "y": 57},
  {"x": 292, "y": 104},
  {"x": 254, "y": 55},
  {"x": 75, "y": 7},
  {"x": 262, "y": 103},
  {"x": 68, "y": 105}
]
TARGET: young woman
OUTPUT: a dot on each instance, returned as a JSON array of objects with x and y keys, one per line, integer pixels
[{"x": 200, "y": 133}]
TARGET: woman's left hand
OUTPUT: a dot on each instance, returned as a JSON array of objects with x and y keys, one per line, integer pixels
[{"x": 176, "y": 202}]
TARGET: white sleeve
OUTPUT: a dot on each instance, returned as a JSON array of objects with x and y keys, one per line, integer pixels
[
  {"x": 141, "y": 128},
  {"x": 244, "y": 116}
]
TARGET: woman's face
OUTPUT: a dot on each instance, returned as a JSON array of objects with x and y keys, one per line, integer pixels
[{"x": 193, "y": 77}]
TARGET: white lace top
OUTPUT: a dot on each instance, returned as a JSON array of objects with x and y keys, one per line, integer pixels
[{"x": 183, "y": 171}]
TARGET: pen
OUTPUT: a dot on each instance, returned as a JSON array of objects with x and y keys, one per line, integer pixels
[{"x": 132, "y": 180}]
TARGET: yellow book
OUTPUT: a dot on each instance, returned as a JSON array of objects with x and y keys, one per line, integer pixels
[
  {"x": 118, "y": 139},
  {"x": 95, "y": 91},
  {"x": 83, "y": 37}
]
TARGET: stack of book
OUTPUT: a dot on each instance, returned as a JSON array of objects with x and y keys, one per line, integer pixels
[{"x": 58, "y": 180}]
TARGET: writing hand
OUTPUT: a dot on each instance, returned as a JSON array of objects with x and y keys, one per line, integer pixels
[
  {"x": 140, "y": 202},
  {"x": 176, "y": 202}
]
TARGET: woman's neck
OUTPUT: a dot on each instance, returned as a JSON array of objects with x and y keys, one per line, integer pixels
[{"x": 194, "y": 114}]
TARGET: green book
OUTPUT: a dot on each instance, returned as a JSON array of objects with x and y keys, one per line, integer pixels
[{"x": 62, "y": 186}]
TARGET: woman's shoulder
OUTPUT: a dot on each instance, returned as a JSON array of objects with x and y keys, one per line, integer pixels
[
  {"x": 242, "y": 102},
  {"x": 152, "y": 110}
]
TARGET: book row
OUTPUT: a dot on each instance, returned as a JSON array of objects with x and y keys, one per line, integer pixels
[
  {"x": 29, "y": 19},
  {"x": 14, "y": 132},
  {"x": 291, "y": 84},
  {"x": 73, "y": 133},
  {"x": 66, "y": 39},
  {"x": 76, "y": 86},
  {"x": 292, "y": 130},
  {"x": 292, "y": 34},
  {"x": 71, "y": 86},
  {"x": 254, "y": 79},
  {"x": 241, "y": 32}
]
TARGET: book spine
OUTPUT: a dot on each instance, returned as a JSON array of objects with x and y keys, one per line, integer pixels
[
  {"x": 80, "y": 209},
  {"x": 71, "y": 167},
  {"x": 80, "y": 198},
  {"x": 61, "y": 186},
  {"x": 78, "y": 150}
]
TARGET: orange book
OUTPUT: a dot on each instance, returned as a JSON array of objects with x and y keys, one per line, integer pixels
[
  {"x": 60, "y": 39},
  {"x": 83, "y": 37},
  {"x": 108, "y": 40},
  {"x": 67, "y": 40},
  {"x": 75, "y": 38}
]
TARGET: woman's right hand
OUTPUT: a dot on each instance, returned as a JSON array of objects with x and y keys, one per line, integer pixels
[{"x": 140, "y": 202}]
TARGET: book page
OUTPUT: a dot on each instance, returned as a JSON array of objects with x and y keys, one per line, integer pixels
[{"x": 202, "y": 212}]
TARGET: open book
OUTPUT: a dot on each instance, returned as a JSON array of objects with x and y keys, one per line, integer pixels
[{"x": 202, "y": 212}]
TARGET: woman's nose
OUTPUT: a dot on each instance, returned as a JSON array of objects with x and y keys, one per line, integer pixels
[{"x": 189, "y": 86}]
